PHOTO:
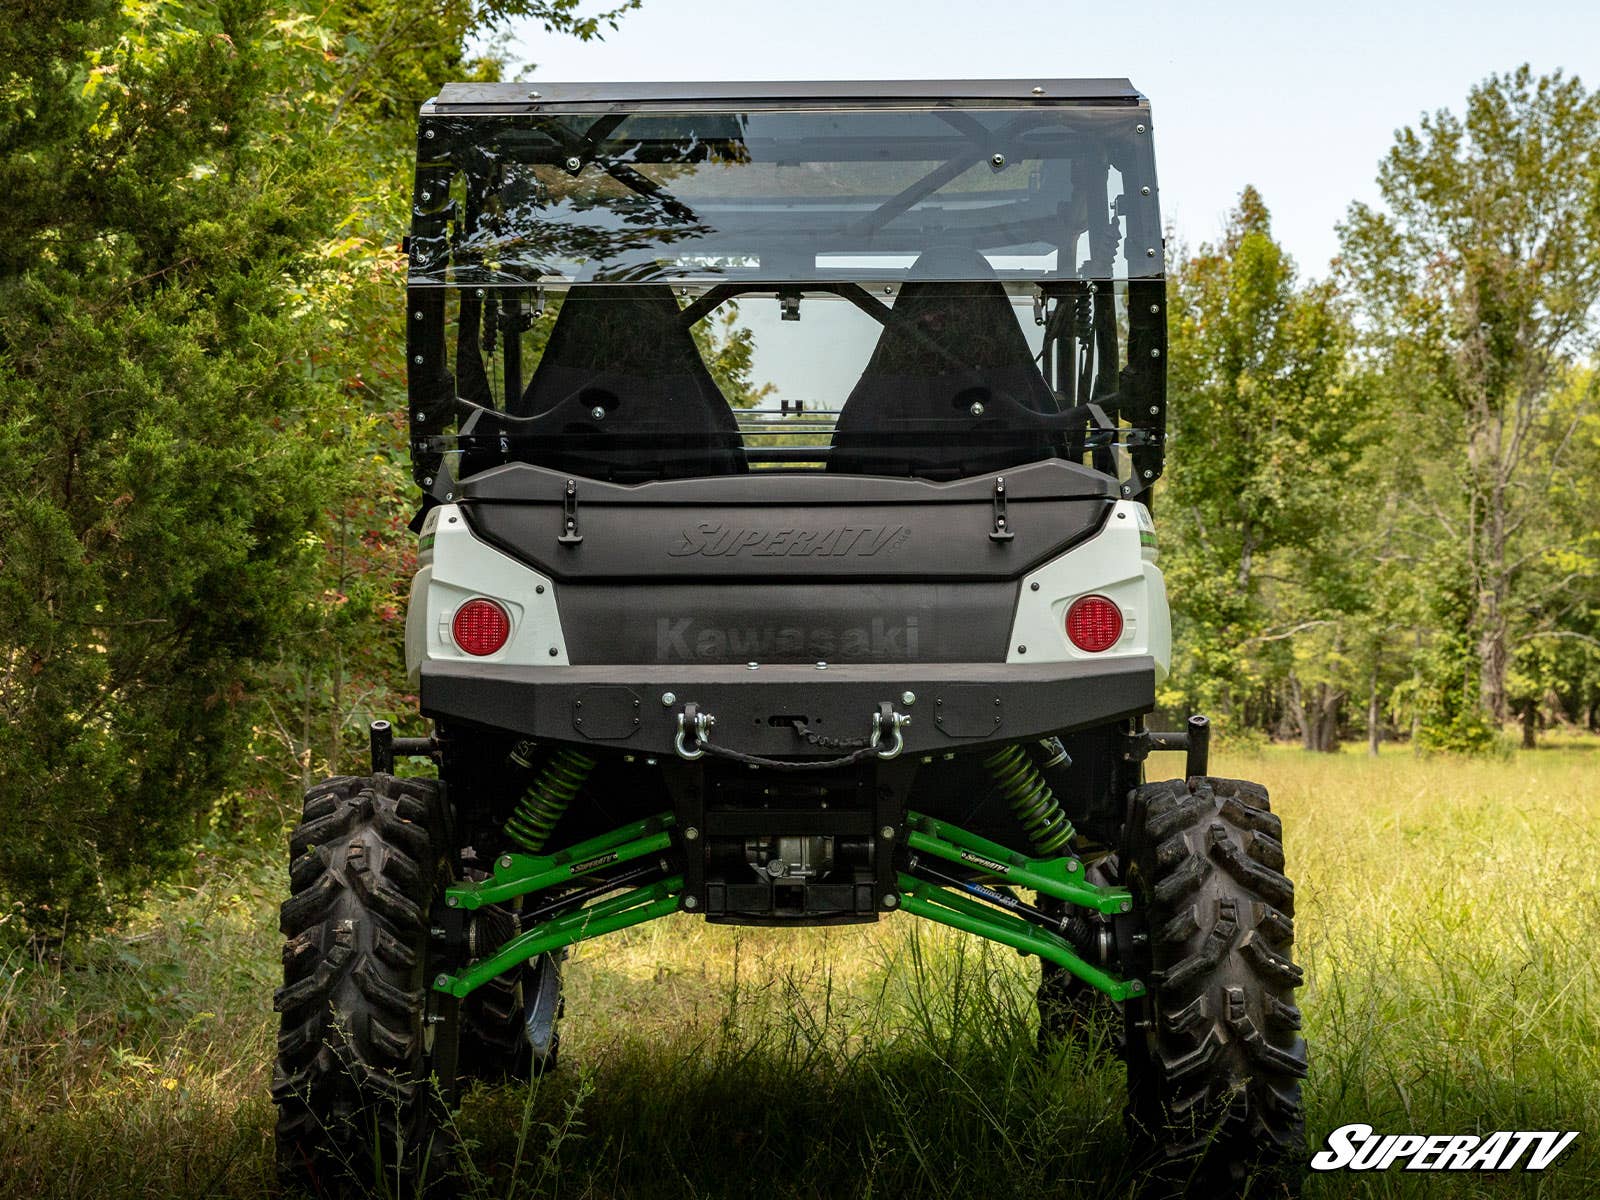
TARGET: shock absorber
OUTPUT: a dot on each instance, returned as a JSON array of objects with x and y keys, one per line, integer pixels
[
  {"x": 1030, "y": 797},
  {"x": 547, "y": 795}
]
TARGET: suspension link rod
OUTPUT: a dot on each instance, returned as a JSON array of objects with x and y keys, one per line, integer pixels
[
  {"x": 1062, "y": 877},
  {"x": 630, "y": 908},
  {"x": 959, "y": 912},
  {"x": 568, "y": 901},
  {"x": 1003, "y": 899},
  {"x": 518, "y": 874}
]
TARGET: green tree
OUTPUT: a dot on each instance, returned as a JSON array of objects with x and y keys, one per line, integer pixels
[
  {"x": 165, "y": 452},
  {"x": 729, "y": 353},
  {"x": 1479, "y": 279},
  {"x": 1265, "y": 430},
  {"x": 1555, "y": 667},
  {"x": 200, "y": 404},
  {"x": 378, "y": 60}
]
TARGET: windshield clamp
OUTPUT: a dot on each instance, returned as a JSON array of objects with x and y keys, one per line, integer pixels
[
  {"x": 569, "y": 516},
  {"x": 1002, "y": 526}
]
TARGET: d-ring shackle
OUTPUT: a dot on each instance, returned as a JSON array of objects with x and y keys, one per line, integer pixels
[{"x": 884, "y": 721}]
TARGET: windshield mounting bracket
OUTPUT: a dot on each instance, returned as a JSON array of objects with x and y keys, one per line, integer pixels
[
  {"x": 570, "y": 535},
  {"x": 1002, "y": 523}
]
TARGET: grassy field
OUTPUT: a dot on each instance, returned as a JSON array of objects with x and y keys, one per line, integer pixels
[{"x": 1446, "y": 922}]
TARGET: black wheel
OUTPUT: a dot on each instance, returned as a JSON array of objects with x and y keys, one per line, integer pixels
[
  {"x": 1071, "y": 1010},
  {"x": 357, "y": 1111},
  {"x": 508, "y": 1026},
  {"x": 1214, "y": 1053}
]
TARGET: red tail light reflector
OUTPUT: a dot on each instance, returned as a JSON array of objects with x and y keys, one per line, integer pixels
[
  {"x": 1093, "y": 624},
  {"x": 481, "y": 627}
]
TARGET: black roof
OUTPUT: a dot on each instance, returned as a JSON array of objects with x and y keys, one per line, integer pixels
[{"x": 537, "y": 96}]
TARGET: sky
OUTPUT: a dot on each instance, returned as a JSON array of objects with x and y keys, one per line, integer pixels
[{"x": 1301, "y": 100}]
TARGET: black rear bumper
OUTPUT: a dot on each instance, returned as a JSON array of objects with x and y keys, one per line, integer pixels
[{"x": 954, "y": 706}]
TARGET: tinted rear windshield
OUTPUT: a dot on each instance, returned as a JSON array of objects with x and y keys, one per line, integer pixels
[
  {"x": 1041, "y": 193},
  {"x": 928, "y": 379}
]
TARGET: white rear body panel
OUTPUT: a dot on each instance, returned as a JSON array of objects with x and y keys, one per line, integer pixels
[
  {"x": 1118, "y": 563},
  {"x": 453, "y": 567}
]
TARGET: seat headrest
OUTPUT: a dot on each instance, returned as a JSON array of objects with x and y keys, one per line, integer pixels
[
  {"x": 635, "y": 330},
  {"x": 950, "y": 262},
  {"x": 972, "y": 323}
]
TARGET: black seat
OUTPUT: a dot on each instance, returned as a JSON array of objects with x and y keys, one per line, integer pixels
[
  {"x": 945, "y": 349},
  {"x": 627, "y": 352}
]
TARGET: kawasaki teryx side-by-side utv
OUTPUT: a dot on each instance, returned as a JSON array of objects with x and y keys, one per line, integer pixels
[{"x": 786, "y": 558}]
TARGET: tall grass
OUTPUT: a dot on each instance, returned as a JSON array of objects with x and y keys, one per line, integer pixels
[{"x": 1446, "y": 911}]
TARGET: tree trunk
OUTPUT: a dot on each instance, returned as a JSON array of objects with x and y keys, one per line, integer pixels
[
  {"x": 305, "y": 732},
  {"x": 336, "y": 716},
  {"x": 336, "y": 688},
  {"x": 1317, "y": 715},
  {"x": 1374, "y": 731},
  {"x": 1309, "y": 724},
  {"x": 1493, "y": 655},
  {"x": 1489, "y": 460},
  {"x": 1296, "y": 709},
  {"x": 1327, "y": 718},
  {"x": 1530, "y": 725},
  {"x": 1284, "y": 726},
  {"x": 1416, "y": 695}
]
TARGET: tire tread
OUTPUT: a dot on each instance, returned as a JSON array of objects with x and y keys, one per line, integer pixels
[
  {"x": 349, "y": 1082},
  {"x": 1215, "y": 1058}
]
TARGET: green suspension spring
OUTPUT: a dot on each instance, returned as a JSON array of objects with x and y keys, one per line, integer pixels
[
  {"x": 547, "y": 795},
  {"x": 1031, "y": 799}
]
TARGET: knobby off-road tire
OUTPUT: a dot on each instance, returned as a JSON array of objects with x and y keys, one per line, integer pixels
[
  {"x": 357, "y": 1111},
  {"x": 1214, "y": 1052}
]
